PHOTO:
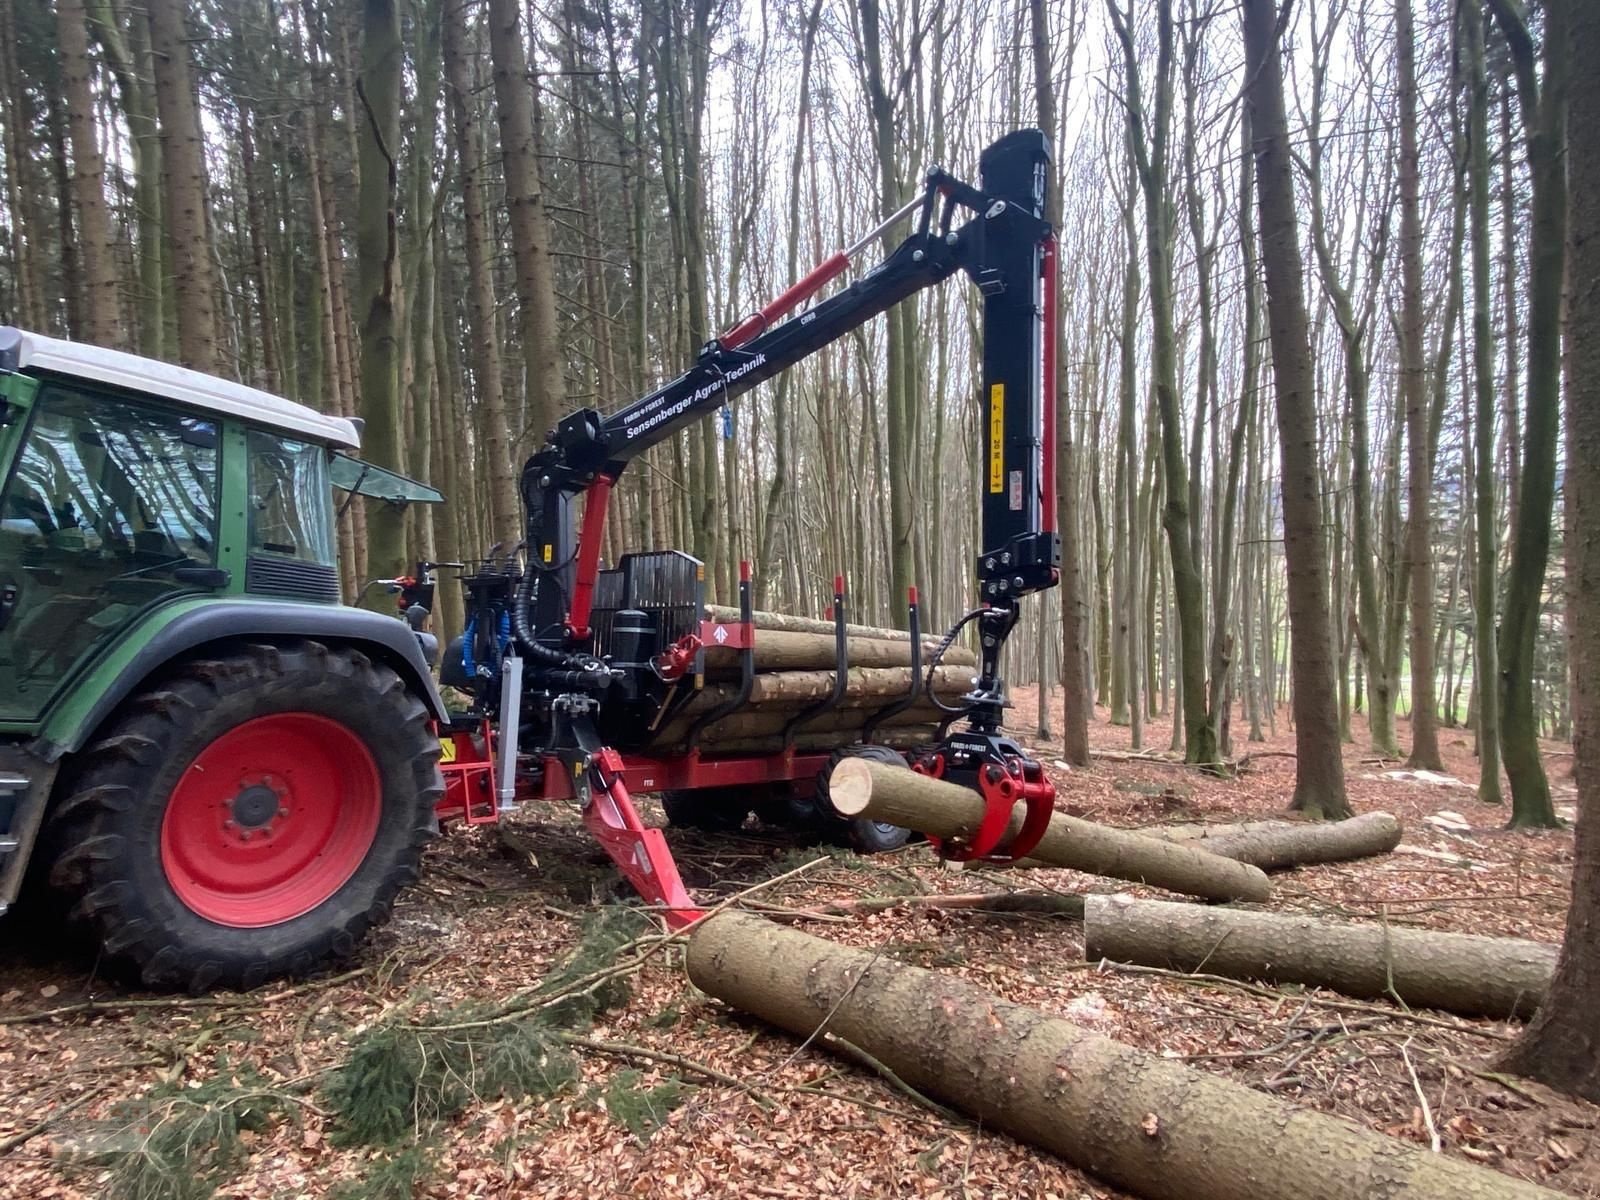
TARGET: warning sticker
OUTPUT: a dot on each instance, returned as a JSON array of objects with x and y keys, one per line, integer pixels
[
  {"x": 997, "y": 438},
  {"x": 1016, "y": 491}
]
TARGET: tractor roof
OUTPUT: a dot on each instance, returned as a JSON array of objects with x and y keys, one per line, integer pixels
[{"x": 20, "y": 350}]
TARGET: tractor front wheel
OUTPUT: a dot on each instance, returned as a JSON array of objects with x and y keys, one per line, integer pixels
[{"x": 248, "y": 816}]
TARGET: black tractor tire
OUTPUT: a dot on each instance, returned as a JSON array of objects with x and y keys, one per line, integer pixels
[
  {"x": 711, "y": 810},
  {"x": 865, "y": 836},
  {"x": 105, "y": 834}
]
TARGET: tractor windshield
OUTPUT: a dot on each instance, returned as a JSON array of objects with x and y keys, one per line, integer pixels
[{"x": 108, "y": 503}]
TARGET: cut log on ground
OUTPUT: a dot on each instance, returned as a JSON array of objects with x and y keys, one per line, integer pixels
[
  {"x": 901, "y": 797},
  {"x": 1155, "y": 1127},
  {"x": 1473, "y": 976},
  {"x": 1277, "y": 845},
  {"x": 780, "y": 650}
]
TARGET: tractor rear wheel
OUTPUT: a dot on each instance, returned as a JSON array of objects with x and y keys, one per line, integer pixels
[{"x": 247, "y": 816}]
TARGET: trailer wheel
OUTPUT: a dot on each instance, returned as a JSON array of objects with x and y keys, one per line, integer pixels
[
  {"x": 247, "y": 816},
  {"x": 867, "y": 837},
  {"x": 712, "y": 810}
]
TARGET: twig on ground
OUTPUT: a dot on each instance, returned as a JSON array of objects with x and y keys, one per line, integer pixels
[
  {"x": 1422, "y": 1099},
  {"x": 856, "y": 1054},
  {"x": 44, "y": 1123}
]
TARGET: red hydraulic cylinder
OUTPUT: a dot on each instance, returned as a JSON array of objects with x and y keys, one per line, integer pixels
[{"x": 829, "y": 270}]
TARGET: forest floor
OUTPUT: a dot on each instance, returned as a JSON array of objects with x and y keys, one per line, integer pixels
[{"x": 253, "y": 1094}]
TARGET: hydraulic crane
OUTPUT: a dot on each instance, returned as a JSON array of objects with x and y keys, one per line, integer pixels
[{"x": 571, "y": 665}]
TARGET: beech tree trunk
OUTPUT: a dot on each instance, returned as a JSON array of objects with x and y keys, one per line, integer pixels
[
  {"x": 1562, "y": 1045},
  {"x": 899, "y": 796},
  {"x": 1278, "y": 845},
  {"x": 1155, "y": 1127},
  {"x": 1319, "y": 773},
  {"x": 1474, "y": 976},
  {"x": 1544, "y": 122},
  {"x": 1419, "y": 462}
]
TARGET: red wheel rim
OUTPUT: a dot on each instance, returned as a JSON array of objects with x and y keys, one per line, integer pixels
[{"x": 270, "y": 820}]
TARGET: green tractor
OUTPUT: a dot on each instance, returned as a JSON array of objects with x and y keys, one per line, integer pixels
[{"x": 206, "y": 760}]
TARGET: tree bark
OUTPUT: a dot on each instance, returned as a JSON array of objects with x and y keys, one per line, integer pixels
[
  {"x": 1278, "y": 845},
  {"x": 1319, "y": 774},
  {"x": 1419, "y": 461},
  {"x": 1474, "y": 976},
  {"x": 529, "y": 223},
  {"x": 946, "y": 810},
  {"x": 378, "y": 300},
  {"x": 183, "y": 177},
  {"x": 1155, "y": 1127},
  {"x": 1486, "y": 585},
  {"x": 505, "y": 510},
  {"x": 1544, "y": 121},
  {"x": 1562, "y": 1045},
  {"x": 1148, "y": 135},
  {"x": 102, "y": 312}
]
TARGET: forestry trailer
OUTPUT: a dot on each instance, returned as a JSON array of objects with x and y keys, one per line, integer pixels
[{"x": 226, "y": 774}]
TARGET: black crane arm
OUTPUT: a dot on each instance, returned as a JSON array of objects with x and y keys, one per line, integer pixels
[{"x": 1007, "y": 249}]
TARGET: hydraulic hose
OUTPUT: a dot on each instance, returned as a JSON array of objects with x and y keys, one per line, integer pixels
[{"x": 573, "y": 670}]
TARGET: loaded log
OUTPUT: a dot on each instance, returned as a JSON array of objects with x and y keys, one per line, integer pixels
[
  {"x": 1461, "y": 973},
  {"x": 946, "y": 810},
  {"x": 780, "y": 650},
  {"x": 1277, "y": 845},
  {"x": 788, "y": 623},
  {"x": 1155, "y": 1127}
]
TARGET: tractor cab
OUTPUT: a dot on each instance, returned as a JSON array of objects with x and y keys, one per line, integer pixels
[{"x": 152, "y": 519}]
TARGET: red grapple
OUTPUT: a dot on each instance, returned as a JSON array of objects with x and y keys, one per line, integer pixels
[{"x": 1001, "y": 787}]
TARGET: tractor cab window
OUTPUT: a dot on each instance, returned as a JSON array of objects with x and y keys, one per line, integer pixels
[
  {"x": 110, "y": 508},
  {"x": 291, "y": 511}
]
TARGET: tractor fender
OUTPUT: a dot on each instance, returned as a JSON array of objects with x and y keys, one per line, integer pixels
[{"x": 384, "y": 638}]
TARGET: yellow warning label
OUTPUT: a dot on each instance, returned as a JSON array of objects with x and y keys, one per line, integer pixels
[
  {"x": 549, "y": 552},
  {"x": 447, "y": 750},
  {"x": 997, "y": 437}
]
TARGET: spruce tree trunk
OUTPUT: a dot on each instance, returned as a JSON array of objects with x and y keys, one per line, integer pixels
[
  {"x": 1319, "y": 767},
  {"x": 542, "y": 358},
  {"x": 1562, "y": 1045},
  {"x": 505, "y": 510},
  {"x": 377, "y": 299},
  {"x": 1544, "y": 121},
  {"x": 1155, "y": 1127},
  {"x": 183, "y": 177},
  {"x": 102, "y": 312}
]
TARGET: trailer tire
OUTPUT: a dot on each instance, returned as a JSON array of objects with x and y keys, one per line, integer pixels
[
  {"x": 864, "y": 835},
  {"x": 710, "y": 810},
  {"x": 248, "y": 815}
]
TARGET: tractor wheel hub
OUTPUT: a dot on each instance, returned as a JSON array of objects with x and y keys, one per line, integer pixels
[{"x": 256, "y": 805}]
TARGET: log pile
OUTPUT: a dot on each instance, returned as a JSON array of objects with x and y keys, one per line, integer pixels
[
  {"x": 794, "y": 660},
  {"x": 1457, "y": 972},
  {"x": 945, "y": 810},
  {"x": 1153, "y": 1126}
]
